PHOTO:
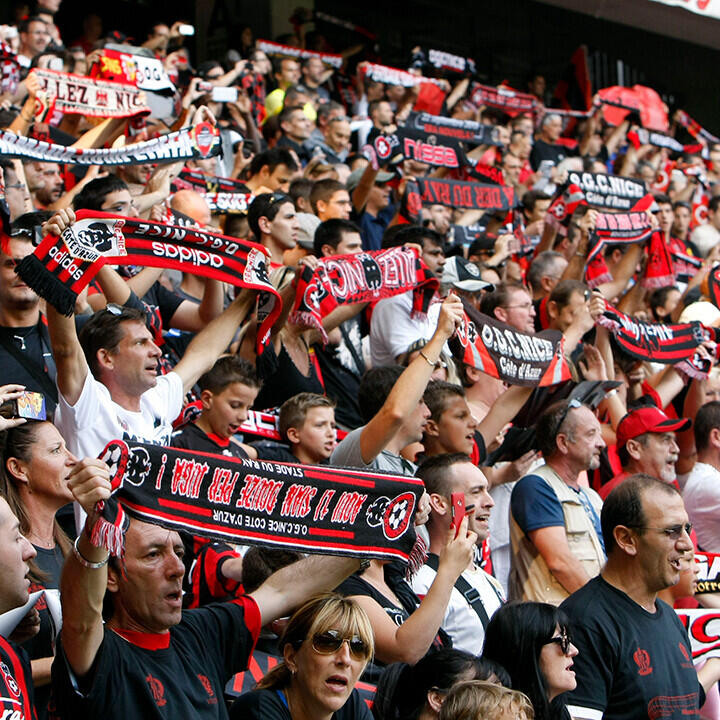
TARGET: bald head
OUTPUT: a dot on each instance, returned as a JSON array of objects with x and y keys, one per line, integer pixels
[{"x": 191, "y": 204}]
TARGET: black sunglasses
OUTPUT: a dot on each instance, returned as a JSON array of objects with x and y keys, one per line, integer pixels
[
  {"x": 563, "y": 640},
  {"x": 331, "y": 641}
]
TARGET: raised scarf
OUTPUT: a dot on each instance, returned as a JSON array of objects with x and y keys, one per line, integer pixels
[
  {"x": 394, "y": 76},
  {"x": 464, "y": 195},
  {"x": 502, "y": 98},
  {"x": 61, "y": 267},
  {"x": 365, "y": 277},
  {"x": 442, "y": 61},
  {"x": 464, "y": 130},
  {"x": 69, "y": 93},
  {"x": 307, "y": 508},
  {"x": 277, "y": 49},
  {"x": 199, "y": 141},
  {"x": 147, "y": 73},
  {"x": 654, "y": 342},
  {"x": 223, "y": 195},
  {"x": 515, "y": 357}
]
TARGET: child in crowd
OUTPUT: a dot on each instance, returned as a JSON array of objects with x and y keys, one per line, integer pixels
[
  {"x": 228, "y": 391},
  {"x": 307, "y": 424}
]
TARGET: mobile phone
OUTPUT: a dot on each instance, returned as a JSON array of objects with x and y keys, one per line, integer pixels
[
  {"x": 457, "y": 502},
  {"x": 545, "y": 168},
  {"x": 186, "y": 29},
  {"x": 224, "y": 94},
  {"x": 55, "y": 63},
  {"x": 29, "y": 405}
]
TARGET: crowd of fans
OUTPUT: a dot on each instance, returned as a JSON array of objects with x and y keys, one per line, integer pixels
[{"x": 560, "y": 521}]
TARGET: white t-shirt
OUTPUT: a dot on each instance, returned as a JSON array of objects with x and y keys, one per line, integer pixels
[
  {"x": 701, "y": 495},
  {"x": 461, "y": 622},
  {"x": 95, "y": 419},
  {"x": 393, "y": 330}
]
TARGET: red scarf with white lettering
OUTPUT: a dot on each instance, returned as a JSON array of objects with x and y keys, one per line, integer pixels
[{"x": 365, "y": 277}]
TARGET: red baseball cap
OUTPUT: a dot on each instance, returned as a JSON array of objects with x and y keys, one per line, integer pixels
[{"x": 648, "y": 419}]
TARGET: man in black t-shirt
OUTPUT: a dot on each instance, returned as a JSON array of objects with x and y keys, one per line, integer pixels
[
  {"x": 151, "y": 659},
  {"x": 16, "y": 690},
  {"x": 546, "y": 146},
  {"x": 635, "y": 658}
]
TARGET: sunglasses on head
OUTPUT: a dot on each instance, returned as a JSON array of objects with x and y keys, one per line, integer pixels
[{"x": 330, "y": 641}]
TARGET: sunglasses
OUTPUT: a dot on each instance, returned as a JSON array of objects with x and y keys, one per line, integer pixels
[
  {"x": 674, "y": 532},
  {"x": 563, "y": 640},
  {"x": 331, "y": 641}
]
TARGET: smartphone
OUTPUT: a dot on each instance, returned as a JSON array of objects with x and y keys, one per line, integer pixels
[
  {"x": 224, "y": 94},
  {"x": 29, "y": 405},
  {"x": 457, "y": 502},
  {"x": 55, "y": 63},
  {"x": 545, "y": 168},
  {"x": 186, "y": 29}
]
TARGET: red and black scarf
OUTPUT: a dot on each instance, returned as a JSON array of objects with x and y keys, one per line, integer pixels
[
  {"x": 504, "y": 99},
  {"x": 501, "y": 351},
  {"x": 695, "y": 128},
  {"x": 461, "y": 194},
  {"x": 60, "y": 267},
  {"x": 365, "y": 277},
  {"x": 468, "y": 131},
  {"x": 9, "y": 69},
  {"x": 655, "y": 342},
  {"x": 314, "y": 509},
  {"x": 279, "y": 50},
  {"x": 147, "y": 73},
  {"x": 223, "y": 195},
  {"x": 443, "y": 62}
]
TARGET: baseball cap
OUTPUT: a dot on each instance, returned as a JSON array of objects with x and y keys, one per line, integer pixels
[
  {"x": 307, "y": 223},
  {"x": 648, "y": 419},
  {"x": 354, "y": 178},
  {"x": 463, "y": 275}
]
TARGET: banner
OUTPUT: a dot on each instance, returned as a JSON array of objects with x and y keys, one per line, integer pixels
[
  {"x": 80, "y": 94},
  {"x": 314, "y": 509},
  {"x": 61, "y": 267},
  {"x": 622, "y": 227},
  {"x": 703, "y": 629},
  {"x": 708, "y": 579},
  {"x": 273, "y": 48},
  {"x": 502, "y": 98},
  {"x": 147, "y": 73},
  {"x": 365, "y": 277},
  {"x": 609, "y": 191},
  {"x": 656, "y": 342},
  {"x": 443, "y": 61},
  {"x": 510, "y": 355},
  {"x": 460, "y": 194},
  {"x": 446, "y": 127},
  {"x": 707, "y": 8},
  {"x": 223, "y": 195},
  {"x": 394, "y": 76},
  {"x": 199, "y": 141}
]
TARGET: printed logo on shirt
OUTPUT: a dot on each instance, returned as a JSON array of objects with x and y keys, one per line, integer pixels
[
  {"x": 12, "y": 686},
  {"x": 157, "y": 689},
  {"x": 205, "y": 682},
  {"x": 642, "y": 660},
  {"x": 687, "y": 663}
]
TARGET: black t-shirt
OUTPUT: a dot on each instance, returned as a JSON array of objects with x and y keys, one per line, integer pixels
[
  {"x": 33, "y": 343},
  {"x": 273, "y": 450},
  {"x": 631, "y": 663},
  {"x": 191, "y": 437},
  {"x": 272, "y": 705},
  {"x": 165, "y": 300},
  {"x": 342, "y": 366},
  {"x": 16, "y": 688},
  {"x": 50, "y": 562},
  {"x": 548, "y": 151},
  {"x": 180, "y": 674}
]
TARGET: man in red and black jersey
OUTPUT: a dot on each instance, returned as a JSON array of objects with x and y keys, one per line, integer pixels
[
  {"x": 16, "y": 690},
  {"x": 151, "y": 659}
]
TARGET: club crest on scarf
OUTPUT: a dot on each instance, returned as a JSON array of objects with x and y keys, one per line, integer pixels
[
  {"x": 310, "y": 508},
  {"x": 89, "y": 240}
]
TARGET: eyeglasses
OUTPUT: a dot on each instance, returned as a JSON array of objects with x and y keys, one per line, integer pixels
[
  {"x": 563, "y": 640},
  {"x": 331, "y": 641},
  {"x": 574, "y": 404},
  {"x": 524, "y": 306},
  {"x": 674, "y": 532}
]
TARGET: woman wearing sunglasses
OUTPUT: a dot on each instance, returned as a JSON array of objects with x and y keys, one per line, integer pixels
[
  {"x": 530, "y": 640},
  {"x": 325, "y": 646}
]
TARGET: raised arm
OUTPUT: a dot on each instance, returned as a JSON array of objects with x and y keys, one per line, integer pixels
[
  {"x": 82, "y": 588},
  {"x": 72, "y": 368},
  {"x": 410, "y": 386},
  {"x": 291, "y": 586}
]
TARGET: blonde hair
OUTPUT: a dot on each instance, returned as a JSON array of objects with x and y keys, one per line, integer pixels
[
  {"x": 322, "y": 612},
  {"x": 481, "y": 700}
]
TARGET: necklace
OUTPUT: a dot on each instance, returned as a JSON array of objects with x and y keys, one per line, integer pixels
[{"x": 21, "y": 339}]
